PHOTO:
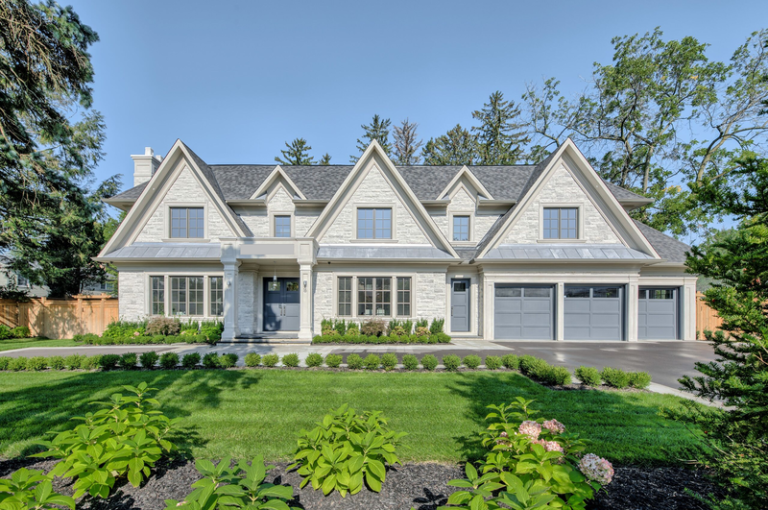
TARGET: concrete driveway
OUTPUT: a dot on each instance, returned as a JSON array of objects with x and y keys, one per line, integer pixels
[{"x": 665, "y": 361}]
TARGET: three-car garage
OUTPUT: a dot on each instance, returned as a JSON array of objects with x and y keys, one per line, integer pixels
[{"x": 589, "y": 312}]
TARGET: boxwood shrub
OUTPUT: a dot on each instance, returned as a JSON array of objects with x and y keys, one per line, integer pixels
[
  {"x": 640, "y": 380},
  {"x": 291, "y": 360},
  {"x": 169, "y": 360},
  {"x": 56, "y": 363},
  {"x": 18, "y": 364},
  {"x": 109, "y": 361},
  {"x": 589, "y": 376},
  {"x": 314, "y": 359},
  {"x": 334, "y": 360},
  {"x": 451, "y": 362},
  {"x": 4, "y": 362},
  {"x": 90, "y": 362},
  {"x": 492, "y": 362},
  {"x": 73, "y": 361},
  {"x": 190, "y": 360},
  {"x": 615, "y": 378},
  {"x": 211, "y": 360},
  {"x": 472, "y": 361},
  {"x": 128, "y": 361},
  {"x": 335, "y": 337},
  {"x": 372, "y": 362},
  {"x": 389, "y": 361},
  {"x": 270, "y": 360},
  {"x": 37, "y": 363},
  {"x": 511, "y": 361},
  {"x": 410, "y": 362},
  {"x": 354, "y": 361},
  {"x": 148, "y": 359},
  {"x": 559, "y": 376},
  {"x": 228, "y": 360},
  {"x": 429, "y": 362},
  {"x": 252, "y": 359}
]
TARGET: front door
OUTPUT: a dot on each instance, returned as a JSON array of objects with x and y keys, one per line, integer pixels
[
  {"x": 459, "y": 306},
  {"x": 281, "y": 304}
]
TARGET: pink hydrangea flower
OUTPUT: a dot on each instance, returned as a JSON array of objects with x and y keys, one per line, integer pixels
[
  {"x": 596, "y": 468},
  {"x": 554, "y": 426},
  {"x": 550, "y": 446},
  {"x": 530, "y": 428}
]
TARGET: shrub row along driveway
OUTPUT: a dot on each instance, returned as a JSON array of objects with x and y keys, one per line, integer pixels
[{"x": 665, "y": 361}]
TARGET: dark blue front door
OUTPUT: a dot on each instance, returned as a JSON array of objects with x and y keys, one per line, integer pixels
[{"x": 282, "y": 305}]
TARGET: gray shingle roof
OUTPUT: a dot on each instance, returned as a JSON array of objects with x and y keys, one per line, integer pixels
[{"x": 667, "y": 247}]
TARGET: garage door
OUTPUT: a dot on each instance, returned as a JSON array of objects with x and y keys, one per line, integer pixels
[
  {"x": 523, "y": 313},
  {"x": 593, "y": 312},
  {"x": 657, "y": 314}
]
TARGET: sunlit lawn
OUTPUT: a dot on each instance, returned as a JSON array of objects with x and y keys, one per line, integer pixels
[
  {"x": 246, "y": 412},
  {"x": 21, "y": 343}
]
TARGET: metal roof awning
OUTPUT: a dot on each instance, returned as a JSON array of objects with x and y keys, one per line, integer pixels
[
  {"x": 565, "y": 252},
  {"x": 402, "y": 253},
  {"x": 165, "y": 251}
]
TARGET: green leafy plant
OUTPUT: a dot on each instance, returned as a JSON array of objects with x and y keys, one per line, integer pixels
[
  {"x": 472, "y": 361},
  {"x": 354, "y": 361},
  {"x": 588, "y": 375},
  {"x": 372, "y": 362},
  {"x": 314, "y": 359},
  {"x": 109, "y": 361},
  {"x": 30, "y": 489},
  {"x": 493, "y": 362},
  {"x": 373, "y": 327},
  {"x": 228, "y": 360},
  {"x": 169, "y": 360},
  {"x": 639, "y": 380},
  {"x": 20, "y": 332},
  {"x": 128, "y": 361},
  {"x": 211, "y": 360},
  {"x": 291, "y": 360},
  {"x": 163, "y": 326},
  {"x": 37, "y": 363},
  {"x": 410, "y": 362},
  {"x": 511, "y": 361},
  {"x": 252, "y": 359},
  {"x": 148, "y": 359},
  {"x": 559, "y": 376},
  {"x": 389, "y": 361},
  {"x": 90, "y": 362},
  {"x": 334, "y": 360},
  {"x": 533, "y": 366},
  {"x": 190, "y": 360},
  {"x": 429, "y": 362},
  {"x": 422, "y": 323},
  {"x": 56, "y": 363},
  {"x": 73, "y": 361},
  {"x": 125, "y": 438},
  {"x": 345, "y": 450},
  {"x": 270, "y": 360},
  {"x": 243, "y": 486},
  {"x": 615, "y": 377},
  {"x": 436, "y": 326},
  {"x": 4, "y": 362},
  {"x": 17, "y": 364},
  {"x": 210, "y": 331},
  {"x": 451, "y": 362}
]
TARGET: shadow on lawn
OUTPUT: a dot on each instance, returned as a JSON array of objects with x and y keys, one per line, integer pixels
[
  {"x": 608, "y": 419},
  {"x": 30, "y": 412}
]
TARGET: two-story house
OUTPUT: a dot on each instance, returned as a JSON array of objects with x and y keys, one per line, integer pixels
[{"x": 536, "y": 252}]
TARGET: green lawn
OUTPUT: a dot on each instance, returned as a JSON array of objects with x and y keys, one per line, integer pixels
[
  {"x": 21, "y": 343},
  {"x": 246, "y": 412}
]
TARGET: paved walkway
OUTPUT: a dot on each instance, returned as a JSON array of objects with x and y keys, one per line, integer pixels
[{"x": 665, "y": 361}]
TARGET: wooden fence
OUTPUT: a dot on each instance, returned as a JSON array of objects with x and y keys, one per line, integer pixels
[
  {"x": 61, "y": 318},
  {"x": 706, "y": 318}
]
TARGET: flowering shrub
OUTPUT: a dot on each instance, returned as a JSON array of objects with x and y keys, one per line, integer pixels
[{"x": 531, "y": 463}]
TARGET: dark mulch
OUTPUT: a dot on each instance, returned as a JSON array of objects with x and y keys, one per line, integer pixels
[{"x": 420, "y": 486}]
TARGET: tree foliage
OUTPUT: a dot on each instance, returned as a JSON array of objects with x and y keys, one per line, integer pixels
[
  {"x": 457, "y": 147},
  {"x": 296, "y": 153},
  {"x": 377, "y": 130},
  {"x": 407, "y": 144},
  {"x": 500, "y": 139}
]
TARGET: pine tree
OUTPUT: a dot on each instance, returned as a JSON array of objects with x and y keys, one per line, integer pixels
[
  {"x": 500, "y": 140},
  {"x": 407, "y": 144},
  {"x": 326, "y": 159},
  {"x": 457, "y": 147},
  {"x": 297, "y": 153},
  {"x": 377, "y": 130}
]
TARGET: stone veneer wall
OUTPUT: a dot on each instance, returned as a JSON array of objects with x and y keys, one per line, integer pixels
[
  {"x": 185, "y": 190},
  {"x": 561, "y": 188},
  {"x": 131, "y": 295},
  {"x": 246, "y": 300}
]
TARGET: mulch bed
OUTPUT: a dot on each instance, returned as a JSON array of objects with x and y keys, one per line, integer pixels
[{"x": 421, "y": 486}]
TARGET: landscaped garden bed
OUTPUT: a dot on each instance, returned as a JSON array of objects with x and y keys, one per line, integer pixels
[
  {"x": 377, "y": 331},
  {"x": 158, "y": 330}
]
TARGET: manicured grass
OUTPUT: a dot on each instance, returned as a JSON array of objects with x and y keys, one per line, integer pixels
[
  {"x": 246, "y": 412},
  {"x": 21, "y": 343}
]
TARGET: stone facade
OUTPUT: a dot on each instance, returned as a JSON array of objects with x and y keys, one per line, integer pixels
[
  {"x": 247, "y": 300},
  {"x": 131, "y": 295},
  {"x": 374, "y": 190},
  {"x": 561, "y": 189},
  {"x": 430, "y": 295},
  {"x": 186, "y": 190}
]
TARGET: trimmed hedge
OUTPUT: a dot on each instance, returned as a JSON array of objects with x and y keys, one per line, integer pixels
[
  {"x": 335, "y": 338},
  {"x": 159, "y": 330}
]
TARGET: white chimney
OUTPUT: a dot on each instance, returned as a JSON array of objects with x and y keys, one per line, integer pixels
[{"x": 145, "y": 165}]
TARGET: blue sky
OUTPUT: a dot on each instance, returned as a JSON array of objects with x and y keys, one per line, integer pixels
[{"x": 236, "y": 79}]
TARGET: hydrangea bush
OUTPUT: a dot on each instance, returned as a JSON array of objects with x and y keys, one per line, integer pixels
[{"x": 531, "y": 463}]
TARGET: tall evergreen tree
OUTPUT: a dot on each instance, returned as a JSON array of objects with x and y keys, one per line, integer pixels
[
  {"x": 296, "y": 153},
  {"x": 325, "y": 159},
  {"x": 500, "y": 139},
  {"x": 407, "y": 144},
  {"x": 377, "y": 130},
  {"x": 457, "y": 147}
]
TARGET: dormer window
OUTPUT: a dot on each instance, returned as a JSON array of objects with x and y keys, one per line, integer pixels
[
  {"x": 461, "y": 228},
  {"x": 282, "y": 226},
  {"x": 560, "y": 223},
  {"x": 187, "y": 222}
]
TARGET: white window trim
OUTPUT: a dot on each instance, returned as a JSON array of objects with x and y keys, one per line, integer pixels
[
  {"x": 167, "y": 293},
  {"x": 167, "y": 223},
  {"x": 373, "y": 274},
  {"x": 378, "y": 205},
  {"x": 579, "y": 222},
  {"x": 471, "y": 215},
  {"x": 271, "y": 215}
]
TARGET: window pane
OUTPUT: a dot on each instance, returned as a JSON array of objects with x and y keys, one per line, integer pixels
[
  {"x": 365, "y": 223},
  {"x": 365, "y": 296},
  {"x": 178, "y": 295},
  {"x": 515, "y": 292},
  {"x": 577, "y": 292},
  {"x": 187, "y": 222},
  {"x": 461, "y": 228},
  {"x": 560, "y": 223},
  {"x": 282, "y": 226},
  {"x": 196, "y": 295},
  {"x": 660, "y": 293},
  {"x": 345, "y": 296},
  {"x": 642, "y": 293},
  {"x": 459, "y": 286},
  {"x": 273, "y": 286},
  {"x": 605, "y": 292},
  {"x": 537, "y": 292},
  {"x": 383, "y": 223},
  {"x": 196, "y": 222},
  {"x": 292, "y": 286},
  {"x": 217, "y": 295},
  {"x": 157, "y": 285}
]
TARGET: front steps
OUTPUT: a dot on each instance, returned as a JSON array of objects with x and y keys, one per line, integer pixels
[{"x": 267, "y": 339}]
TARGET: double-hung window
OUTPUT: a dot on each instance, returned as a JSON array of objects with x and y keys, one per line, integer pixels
[
  {"x": 345, "y": 295},
  {"x": 216, "y": 284},
  {"x": 461, "y": 228},
  {"x": 187, "y": 295},
  {"x": 560, "y": 223},
  {"x": 373, "y": 223},
  {"x": 157, "y": 284},
  {"x": 187, "y": 222},
  {"x": 404, "y": 296},
  {"x": 282, "y": 226},
  {"x": 374, "y": 296}
]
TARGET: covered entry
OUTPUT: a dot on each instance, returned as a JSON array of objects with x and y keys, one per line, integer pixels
[
  {"x": 282, "y": 308},
  {"x": 657, "y": 310},
  {"x": 594, "y": 312},
  {"x": 523, "y": 312}
]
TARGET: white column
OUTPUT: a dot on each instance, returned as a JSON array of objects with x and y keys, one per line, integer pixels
[
  {"x": 560, "y": 300},
  {"x": 689, "y": 309},
  {"x": 632, "y": 308},
  {"x": 305, "y": 282},
  {"x": 231, "y": 327}
]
